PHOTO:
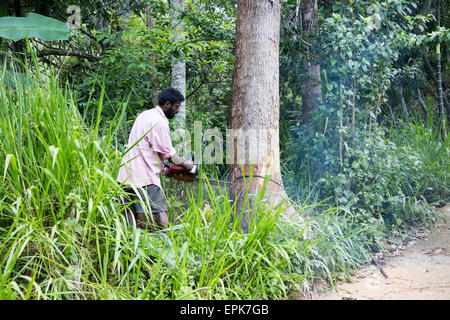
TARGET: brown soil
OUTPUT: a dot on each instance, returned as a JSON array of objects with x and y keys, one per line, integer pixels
[{"x": 418, "y": 269}]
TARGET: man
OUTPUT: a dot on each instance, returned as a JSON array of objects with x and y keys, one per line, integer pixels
[{"x": 150, "y": 144}]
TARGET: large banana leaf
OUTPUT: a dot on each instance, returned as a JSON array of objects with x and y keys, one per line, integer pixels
[{"x": 34, "y": 25}]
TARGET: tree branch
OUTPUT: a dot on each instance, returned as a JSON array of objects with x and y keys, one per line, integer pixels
[{"x": 62, "y": 52}]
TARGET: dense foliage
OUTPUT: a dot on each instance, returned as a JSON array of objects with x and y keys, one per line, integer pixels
[{"x": 351, "y": 156}]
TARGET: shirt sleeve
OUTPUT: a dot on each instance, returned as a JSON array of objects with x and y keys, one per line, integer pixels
[{"x": 160, "y": 141}]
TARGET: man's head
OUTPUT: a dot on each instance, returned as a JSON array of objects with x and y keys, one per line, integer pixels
[{"x": 169, "y": 100}]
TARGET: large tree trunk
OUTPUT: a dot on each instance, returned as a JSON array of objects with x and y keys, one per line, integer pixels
[
  {"x": 179, "y": 67},
  {"x": 255, "y": 105},
  {"x": 312, "y": 87}
]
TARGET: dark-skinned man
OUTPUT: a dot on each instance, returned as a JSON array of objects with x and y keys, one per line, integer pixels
[{"x": 142, "y": 164}]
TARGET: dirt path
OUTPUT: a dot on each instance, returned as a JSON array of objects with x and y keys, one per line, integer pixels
[{"x": 420, "y": 271}]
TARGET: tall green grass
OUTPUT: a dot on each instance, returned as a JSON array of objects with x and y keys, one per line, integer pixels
[
  {"x": 63, "y": 231},
  {"x": 58, "y": 188},
  {"x": 429, "y": 158}
]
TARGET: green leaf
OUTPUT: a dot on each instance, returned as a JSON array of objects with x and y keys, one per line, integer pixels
[{"x": 34, "y": 25}]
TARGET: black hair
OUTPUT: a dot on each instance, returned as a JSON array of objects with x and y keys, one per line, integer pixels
[{"x": 170, "y": 94}]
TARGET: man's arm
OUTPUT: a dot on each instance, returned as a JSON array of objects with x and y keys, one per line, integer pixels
[{"x": 179, "y": 161}]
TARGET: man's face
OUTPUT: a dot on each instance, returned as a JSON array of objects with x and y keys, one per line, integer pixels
[{"x": 172, "y": 110}]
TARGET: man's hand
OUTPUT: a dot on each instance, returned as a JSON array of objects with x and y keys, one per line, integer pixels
[{"x": 176, "y": 159}]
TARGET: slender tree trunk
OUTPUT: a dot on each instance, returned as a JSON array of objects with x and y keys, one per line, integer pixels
[
  {"x": 370, "y": 107},
  {"x": 439, "y": 80},
  {"x": 179, "y": 67},
  {"x": 424, "y": 106},
  {"x": 341, "y": 126},
  {"x": 402, "y": 101},
  {"x": 298, "y": 16},
  {"x": 430, "y": 71},
  {"x": 312, "y": 87},
  {"x": 255, "y": 105}
]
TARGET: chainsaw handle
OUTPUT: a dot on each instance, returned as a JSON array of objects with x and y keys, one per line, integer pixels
[{"x": 194, "y": 170}]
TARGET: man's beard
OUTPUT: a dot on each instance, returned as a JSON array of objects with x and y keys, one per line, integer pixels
[{"x": 170, "y": 114}]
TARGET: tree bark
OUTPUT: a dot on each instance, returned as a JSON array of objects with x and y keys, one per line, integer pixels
[
  {"x": 62, "y": 52},
  {"x": 439, "y": 80},
  {"x": 255, "y": 106},
  {"x": 312, "y": 87},
  {"x": 430, "y": 72},
  {"x": 179, "y": 66},
  {"x": 298, "y": 16},
  {"x": 423, "y": 105},
  {"x": 341, "y": 126}
]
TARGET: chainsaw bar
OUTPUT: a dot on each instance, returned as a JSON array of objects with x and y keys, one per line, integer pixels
[{"x": 220, "y": 183}]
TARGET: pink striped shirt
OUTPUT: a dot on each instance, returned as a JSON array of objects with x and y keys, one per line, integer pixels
[{"x": 142, "y": 164}]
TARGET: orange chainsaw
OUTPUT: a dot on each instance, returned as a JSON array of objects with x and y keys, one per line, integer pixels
[
  {"x": 179, "y": 173},
  {"x": 182, "y": 174}
]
